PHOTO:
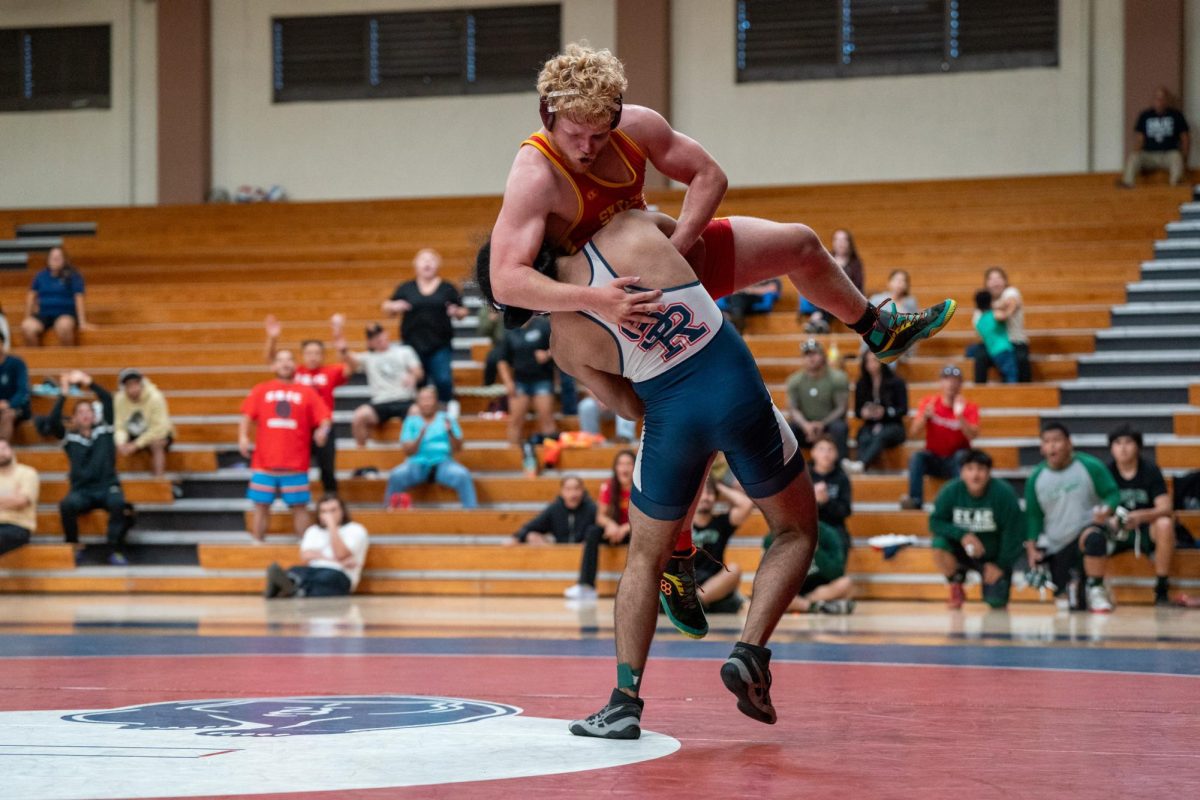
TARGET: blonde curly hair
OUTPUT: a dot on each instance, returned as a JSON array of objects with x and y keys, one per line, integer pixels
[{"x": 583, "y": 84}]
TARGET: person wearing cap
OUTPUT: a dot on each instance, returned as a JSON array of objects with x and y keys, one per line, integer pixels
[
  {"x": 948, "y": 423},
  {"x": 393, "y": 373},
  {"x": 143, "y": 422},
  {"x": 818, "y": 396},
  {"x": 977, "y": 526},
  {"x": 1149, "y": 527}
]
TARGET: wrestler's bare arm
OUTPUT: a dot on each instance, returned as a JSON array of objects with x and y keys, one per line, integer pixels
[
  {"x": 518, "y": 235},
  {"x": 683, "y": 159},
  {"x": 572, "y": 346}
]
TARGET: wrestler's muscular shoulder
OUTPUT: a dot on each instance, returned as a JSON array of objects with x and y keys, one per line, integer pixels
[{"x": 537, "y": 187}]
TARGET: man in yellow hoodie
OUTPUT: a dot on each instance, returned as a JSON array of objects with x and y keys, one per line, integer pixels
[{"x": 143, "y": 422}]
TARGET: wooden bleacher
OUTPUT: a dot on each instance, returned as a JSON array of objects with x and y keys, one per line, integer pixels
[{"x": 181, "y": 293}]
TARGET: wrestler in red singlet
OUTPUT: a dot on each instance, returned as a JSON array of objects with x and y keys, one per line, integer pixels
[{"x": 600, "y": 201}]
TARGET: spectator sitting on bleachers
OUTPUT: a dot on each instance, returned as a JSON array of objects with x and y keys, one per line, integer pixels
[
  {"x": 429, "y": 306},
  {"x": 55, "y": 300},
  {"x": 949, "y": 423},
  {"x": 718, "y": 581},
  {"x": 757, "y": 299},
  {"x": 977, "y": 525},
  {"x": 430, "y": 438},
  {"x": 18, "y": 500},
  {"x": 527, "y": 372},
  {"x": 333, "y": 553},
  {"x": 592, "y": 410},
  {"x": 1069, "y": 500},
  {"x": 845, "y": 253},
  {"x": 566, "y": 520},
  {"x": 92, "y": 453},
  {"x": 324, "y": 379},
  {"x": 15, "y": 404},
  {"x": 143, "y": 419},
  {"x": 1149, "y": 528},
  {"x": 490, "y": 325},
  {"x": 1161, "y": 141},
  {"x": 5, "y": 333},
  {"x": 817, "y": 399},
  {"x": 287, "y": 418},
  {"x": 995, "y": 343},
  {"x": 826, "y": 589},
  {"x": 612, "y": 524},
  {"x": 393, "y": 373},
  {"x": 881, "y": 403},
  {"x": 1008, "y": 307},
  {"x": 831, "y": 487}
]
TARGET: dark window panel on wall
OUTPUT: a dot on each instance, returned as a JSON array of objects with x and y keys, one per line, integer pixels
[
  {"x": 46, "y": 69},
  {"x": 813, "y": 39},
  {"x": 413, "y": 54}
]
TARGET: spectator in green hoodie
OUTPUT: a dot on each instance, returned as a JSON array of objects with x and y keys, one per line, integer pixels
[{"x": 977, "y": 525}]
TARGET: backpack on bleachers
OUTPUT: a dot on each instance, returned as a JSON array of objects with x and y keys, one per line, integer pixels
[{"x": 1187, "y": 498}]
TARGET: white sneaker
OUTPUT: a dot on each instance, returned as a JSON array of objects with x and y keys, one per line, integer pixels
[
  {"x": 852, "y": 467},
  {"x": 580, "y": 591},
  {"x": 1098, "y": 600},
  {"x": 453, "y": 409}
]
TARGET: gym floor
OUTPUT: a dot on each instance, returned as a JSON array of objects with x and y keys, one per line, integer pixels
[{"x": 453, "y": 697}]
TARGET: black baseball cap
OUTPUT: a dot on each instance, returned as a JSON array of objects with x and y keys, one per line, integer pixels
[
  {"x": 129, "y": 374},
  {"x": 373, "y": 330},
  {"x": 812, "y": 346}
]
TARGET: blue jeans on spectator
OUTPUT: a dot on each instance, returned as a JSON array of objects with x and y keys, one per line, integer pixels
[
  {"x": 589, "y": 420},
  {"x": 1013, "y": 365},
  {"x": 447, "y": 473},
  {"x": 568, "y": 397},
  {"x": 923, "y": 463},
  {"x": 439, "y": 372}
]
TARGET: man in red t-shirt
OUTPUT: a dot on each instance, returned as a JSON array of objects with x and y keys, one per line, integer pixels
[
  {"x": 949, "y": 423},
  {"x": 323, "y": 378},
  {"x": 288, "y": 418}
]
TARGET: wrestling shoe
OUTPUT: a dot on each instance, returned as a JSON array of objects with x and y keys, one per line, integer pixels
[
  {"x": 620, "y": 719},
  {"x": 747, "y": 673},
  {"x": 677, "y": 595},
  {"x": 894, "y": 333}
]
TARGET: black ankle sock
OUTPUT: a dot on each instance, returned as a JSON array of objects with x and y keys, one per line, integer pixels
[
  {"x": 618, "y": 697},
  {"x": 761, "y": 653},
  {"x": 683, "y": 553},
  {"x": 1161, "y": 584},
  {"x": 867, "y": 321}
]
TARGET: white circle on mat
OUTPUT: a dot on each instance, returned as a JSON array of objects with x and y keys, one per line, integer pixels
[{"x": 292, "y": 744}]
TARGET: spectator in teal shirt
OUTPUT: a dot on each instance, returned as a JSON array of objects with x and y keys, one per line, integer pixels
[
  {"x": 995, "y": 337},
  {"x": 430, "y": 438}
]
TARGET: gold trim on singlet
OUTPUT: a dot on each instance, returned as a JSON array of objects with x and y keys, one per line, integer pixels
[{"x": 544, "y": 147}]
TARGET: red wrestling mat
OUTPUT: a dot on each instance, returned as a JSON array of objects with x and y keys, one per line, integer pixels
[{"x": 845, "y": 730}]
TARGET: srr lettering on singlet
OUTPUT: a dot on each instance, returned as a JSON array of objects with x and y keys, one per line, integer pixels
[{"x": 673, "y": 331}]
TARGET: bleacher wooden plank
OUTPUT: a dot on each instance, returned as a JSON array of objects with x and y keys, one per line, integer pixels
[{"x": 39, "y": 557}]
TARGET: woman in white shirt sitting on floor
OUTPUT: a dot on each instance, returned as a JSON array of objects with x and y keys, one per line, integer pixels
[{"x": 333, "y": 553}]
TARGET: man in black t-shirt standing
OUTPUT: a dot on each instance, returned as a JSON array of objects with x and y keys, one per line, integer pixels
[
  {"x": 711, "y": 533},
  {"x": 527, "y": 372},
  {"x": 429, "y": 307},
  {"x": 1162, "y": 141},
  {"x": 1149, "y": 526}
]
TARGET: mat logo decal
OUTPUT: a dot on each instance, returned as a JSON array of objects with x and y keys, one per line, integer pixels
[{"x": 297, "y": 716}]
